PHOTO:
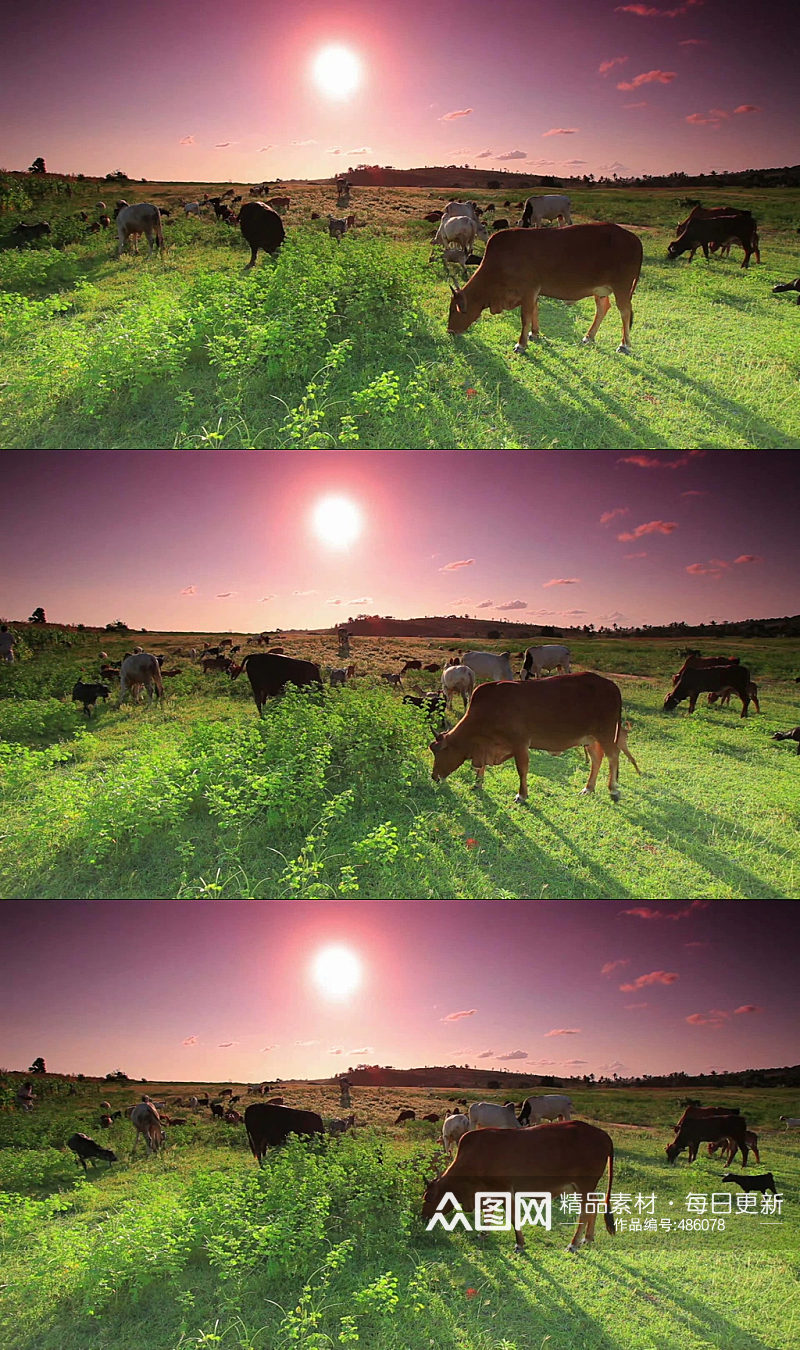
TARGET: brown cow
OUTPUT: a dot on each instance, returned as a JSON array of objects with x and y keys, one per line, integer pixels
[
  {"x": 570, "y": 1155},
  {"x": 405, "y": 1115},
  {"x": 722, "y": 230},
  {"x": 751, "y": 1139},
  {"x": 505, "y": 718},
  {"x": 695, "y": 1130},
  {"x": 520, "y": 265},
  {"x": 695, "y": 681},
  {"x": 723, "y": 696}
]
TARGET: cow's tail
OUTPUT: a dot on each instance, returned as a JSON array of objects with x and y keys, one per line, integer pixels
[{"x": 608, "y": 1217}]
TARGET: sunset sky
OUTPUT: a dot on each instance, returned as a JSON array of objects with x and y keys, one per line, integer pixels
[
  {"x": 214, "y": 542},
  {"x": 193, "y": 90},
  {"x": 226, "y": 992}
]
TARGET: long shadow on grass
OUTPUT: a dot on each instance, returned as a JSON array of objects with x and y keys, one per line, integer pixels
[{"x": 727, "y": 416}]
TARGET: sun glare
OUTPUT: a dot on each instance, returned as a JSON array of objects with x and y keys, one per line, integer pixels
[
  {"x": 337, "y": 71},
  {"x": 337, "y": 521},
  {"x": 336, "y": 972}
]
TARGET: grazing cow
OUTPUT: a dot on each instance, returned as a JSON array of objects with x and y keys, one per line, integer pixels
[
  {"x": 104, "y": 222},
  {"x": 432, "y": 1117},
  {"x": 458, "y": 679},
  {"x": 432, "y": 666},
  {"x": 793, "y": 735},
  {"x": 452, "y": 1129},
  {"x": 549, "y": 657},
  {"x": 550, "y": 207},
  {"x": 341, "y": 1124},
  {"x": 791, "y": 1122},
  {"x": 491, "y": 1116},
  {"x": 120, "y": 206},
  {"x": 411, "y": 665},
  {"x": 194, "y": 1102},
  {"x": 105, "y": 1122},
  {"x": 394, "y": 679},
  {"x": 338, "y": 226},
  {"x": 433, "y": 703},
  {"x": 261, "y": 227},
  {"x": 191, "y": 208},
  {"x": 697, "y": 1112},
  {"x": 520, "y": 265},
  {"x": 788, "y": 286},
  {"x": 459, "y": 209},
  {"x": 233, "y": 1117},
  {"x": 723, "y": 696},
  {"x": 26, "y": 233},
  {"x": 88, "y": 694},
  {"x": 500, "y": 223},
  {"x": 696, "y": 1130},
  {"x": 215, "y": 663},
  {"x": 268, "y": 1126},
  {"x": 217, "y": 1110},
  {"x": 504, "y": 720},
  {"x": 269, "y": 675},
  {"x": 763, "y": 1183},
  {"x": 551, "y": 1106},
  {"x": 460, "y": 232},
  {"x": 279, "y": 203},
  {"x": 404, "y": 1115},
  {"x": 139, "y": 670},
  {"x": 751, "y": 1139},
  {"x": 341, "y": 674},
  {"x": 701, "y": 233},
  {"x": 719, "y": 214},
  {"x": 83, "y": 1147},
  {"x": 571, "y": 1156},
  {"x": 147, "y": 1123},
  {"x": 133, "y": 221},
  {"x": 433, "y": 216},
  {"x": 489, "y": 665},
  {"x": 695, "y": 681}
]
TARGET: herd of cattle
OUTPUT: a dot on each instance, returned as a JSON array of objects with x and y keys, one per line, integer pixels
[
  {"x": 518, "y": 266},
  {"x": 504, "y": 718},
  {"x": 490, "y": 1146}
]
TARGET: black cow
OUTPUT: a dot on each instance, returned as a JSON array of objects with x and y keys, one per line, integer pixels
[
  {"x": 261, "y": 227},
  {"x": 793, "y": 735},
  {"x": 788, "y": 286},
  {"x": 88, "y": 694},
  {"x": 25, "y": 233},
  {"x": 83, "y": 1147},
  {"x": 501, "y": 224},
  {"x": 763, "y": 1183},
  {"x": 405, "y": 1114},
  {"x": 217, "y": 1110},
  {"x": 694, "y": 681},
  {"x": 431, "y": 704},
  {"x": 695, "y": 1130},
  {"x": 269, "y": 675},
  {"x": 268, "y": 1125},
  {"x": 701, "y": 233}
]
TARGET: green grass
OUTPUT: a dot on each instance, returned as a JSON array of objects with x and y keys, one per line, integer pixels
[
  {"x": 331, "y": 795},
  {"x": 346, "y": 345},
  {"x": 326, "y": 1246}
]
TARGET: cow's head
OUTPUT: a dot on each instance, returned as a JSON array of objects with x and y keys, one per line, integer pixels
[
  {"x": 434, "y": 1191},
  {"x": 672, "y": 700},
  {"x": 234, "y": 670},
  {"x": 677, "y": 247},
  {"x": 672, "y": 1150},
  {"x": 461, "y": 314},
  {"x": 446, "y": 757}
]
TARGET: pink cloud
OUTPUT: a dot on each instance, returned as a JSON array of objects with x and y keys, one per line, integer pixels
[
  {"x": 513, "y": 604},
  {"x": 699, "y": 120},
  {"x": 650, "y": 527},
  {"x": 512, "y": 154},
  {"x": 561, "y": 581},
  {"x": 652, "y": 12},
  {"x": 561, "y": 131},
  {"x": 565, "y": 1031},
  {"x": 612, "y": 965},
  {"x": 190, "y": 1040},
  {"x": 648, "y": 77},
  {"x": 189, "y": 590},
  {"x": 748, "y": 1008},
  {"x": 715, "y": 1018},
  {"x": 484, "y": 154},
  {"x": 635, "y": 555},
  {"x": 486, "y": 1054},
  {"x": 650, "y": 461},
  {"x": 486, "y": 604},
  {"x": 654, "y": 977},
  {"x": 609, "y": 515},
  {"x": 225, "y": 595},
  {"x": 746, "y": 108},
  {"x": 515, "y": 1054},
  {"x": 606, "y": 66},
  {"x": 186, "y": 140},
  {"x": 706, "y": 570},
  {"x": 456, "y": 1016},
  {"x": 453, "y": 566},
  {"x": 451, "y": 116},
  {"x": 748, "y": 558},
  {"x": 644, "y": 913}
]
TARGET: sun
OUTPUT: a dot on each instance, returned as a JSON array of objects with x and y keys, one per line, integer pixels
[
  {"x": 337, "y": 71},
  {"x": 336, "y": 972},
  {"x": 337, "y": 521}
]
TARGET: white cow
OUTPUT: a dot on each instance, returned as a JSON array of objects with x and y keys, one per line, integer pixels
[
  {"x": 141, "y": 218},
  {"x": 489, "y": 665},
  {"x": 456, "y": 209},
  {"x": 490, "y": 1116},
  {"x": 139, "y": 670},
  {"x": 147, "y": 1122},
  {"x": 538, "y": 659},
  {"x": 791, "y": 1122},
  {"x": 452, "y": 1129},
  {"x": 457, "y": 680},
  {"x": 550, "y": 207},
  {"x": 551, "y": 1106},
  {"x": 461, "y": 232},
  {"x": 192, "y": 208}
]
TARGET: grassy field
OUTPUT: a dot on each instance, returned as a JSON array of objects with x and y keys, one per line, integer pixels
[
  {"x": 331, "y": 795},
  {"x": 334, "y": 345},
  {"x": 326, "y": 1247}
]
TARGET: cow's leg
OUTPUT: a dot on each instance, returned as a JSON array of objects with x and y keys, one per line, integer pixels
[
  {"x": 522, "y": 760},
  {"x": 692, "y": 702},
  {"x": 253, "y": 255},
  {"x": 479, "y": 772},
  {"x": 613, "y": 771},
  {"x": 745, "y": 703},
  {"x": 577, "y": 1236},
  {"x": 602, "y": 306},
  {"x": 596, "y": 756},
  {"x": 625, "y": 307},
  {"x": 748, "y": 251},
  {"x": 530, "y": 319}
]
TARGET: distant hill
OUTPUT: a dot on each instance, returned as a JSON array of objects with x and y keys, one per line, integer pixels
[
  {"x": 513, "y": 180},
  {"x": 456, "y": 1076}
]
